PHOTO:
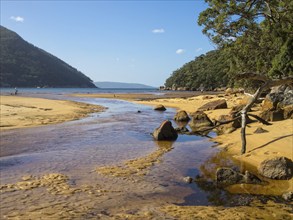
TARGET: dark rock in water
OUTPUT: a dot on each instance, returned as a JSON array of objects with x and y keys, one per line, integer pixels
[
  {"x": 288, "y": 196},
  {"x": 187, "y": 179},
  {"x": 138, "y": 111},
  {"x": 165, "y": 132},
  {"x": 278, "y": 168},
  {"x": 181, "y": 116},
  {"x": 218, "y": 104},
  {"x": 260, "y": 130},
  {"x": 227, "y": 176},
  {"x": 200, "y": 121},
  {"x": 160, "y": 108}
]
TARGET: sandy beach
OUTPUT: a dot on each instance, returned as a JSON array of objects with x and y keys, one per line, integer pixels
[
  {"x": 127, "y": 178},
  {"x": 20, "y": 112}
]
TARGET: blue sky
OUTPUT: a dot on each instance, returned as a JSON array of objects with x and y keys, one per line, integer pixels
[{"x": 120, "y": 41}]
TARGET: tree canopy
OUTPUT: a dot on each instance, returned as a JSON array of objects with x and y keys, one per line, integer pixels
[{"x": 251, "y": 35}]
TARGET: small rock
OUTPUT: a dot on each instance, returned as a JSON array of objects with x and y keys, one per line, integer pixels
[
  {"x": 181, "y": 116},
  {"x": 27, "y": 177},
  {"x": 288, "y": 196},
  {"x": 260, "y": 130},
  {"x": 160, "y": 108},
  {"x": 188, "y": 179},
  {"x": 138, "y": 111}
]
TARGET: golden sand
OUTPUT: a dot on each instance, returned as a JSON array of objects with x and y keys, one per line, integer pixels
[{"x": 20, "y": 112}]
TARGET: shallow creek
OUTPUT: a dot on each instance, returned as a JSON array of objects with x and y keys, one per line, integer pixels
[{"x": 61, "y": 171}]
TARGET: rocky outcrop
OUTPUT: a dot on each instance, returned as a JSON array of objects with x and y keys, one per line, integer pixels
[
  {"x": 200, "y": 121},
  {"x": 165, "y": 132},
  {"x": 278, "y": 104},
  {"x": 227, "y": 176},
  {"x": 160, "y": 108},
  {"x": 278, "y": 168},
  {"x": 217, "y": 104},
  {"x": 181, "y": 116}
]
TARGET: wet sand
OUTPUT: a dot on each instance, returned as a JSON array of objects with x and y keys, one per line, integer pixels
[{"x": 129, "y": 188}]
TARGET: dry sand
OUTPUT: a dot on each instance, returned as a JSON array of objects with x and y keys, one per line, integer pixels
[{"x": 20, "y": 112}]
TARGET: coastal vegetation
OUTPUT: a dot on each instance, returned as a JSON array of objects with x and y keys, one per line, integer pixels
[{"x": 25, "y": 65}]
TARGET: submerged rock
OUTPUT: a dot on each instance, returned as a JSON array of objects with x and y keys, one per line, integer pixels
[
  {"x": 160, "y": 108},
  {"x": 278, "y": 168},
  {"x": 165, "y": 132},
  {"x": 187, "y": 179}
]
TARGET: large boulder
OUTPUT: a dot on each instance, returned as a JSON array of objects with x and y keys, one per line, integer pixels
[
  {"x": 200, "y": 121},
  {"x": 181, "y": 116},
  {"x": 217, "y": 104},
  {"x": 160, "y": 108},
  {"x": 278, "y": 168},
  {"x": 165, "y": 132}
]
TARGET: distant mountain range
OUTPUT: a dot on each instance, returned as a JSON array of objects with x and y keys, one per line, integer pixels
[
  {"x": 120, "y": 85},
  {"x": 25, "y": 65}
]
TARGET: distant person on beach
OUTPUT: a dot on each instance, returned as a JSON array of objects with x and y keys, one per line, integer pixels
[{"x": 15, "y": 91}]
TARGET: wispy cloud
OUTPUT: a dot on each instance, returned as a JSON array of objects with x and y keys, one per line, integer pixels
[
  {"x": 180, "y": 51},
  {"x": 198, "y": 49},
  {"x": 158, "y": 31},
  {"x": 17, "y": 18}
]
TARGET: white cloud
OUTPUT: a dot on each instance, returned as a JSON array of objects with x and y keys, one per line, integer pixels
[
  {"x": 180, "y": 51},
  {"x": 17, "y": 18},
  {"x": 198, "y": 49},
  {"x": 158, "y": 31}
]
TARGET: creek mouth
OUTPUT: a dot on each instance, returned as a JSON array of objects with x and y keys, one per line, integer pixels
[{"x": 77, "y": 148}]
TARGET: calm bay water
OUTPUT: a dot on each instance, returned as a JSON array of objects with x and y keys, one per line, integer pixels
[{"x": 119, "y": 134}]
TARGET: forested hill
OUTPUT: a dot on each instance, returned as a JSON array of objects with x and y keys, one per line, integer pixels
[
  {"x": 24, "y": 65},
  {"x": 207, "y": 71}
]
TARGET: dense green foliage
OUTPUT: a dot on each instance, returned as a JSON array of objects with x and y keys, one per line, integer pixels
[
  {"x": 24, "y": 65},
  {"x": 206, "y": 71},
  {"x": 254, "y": 36}
]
